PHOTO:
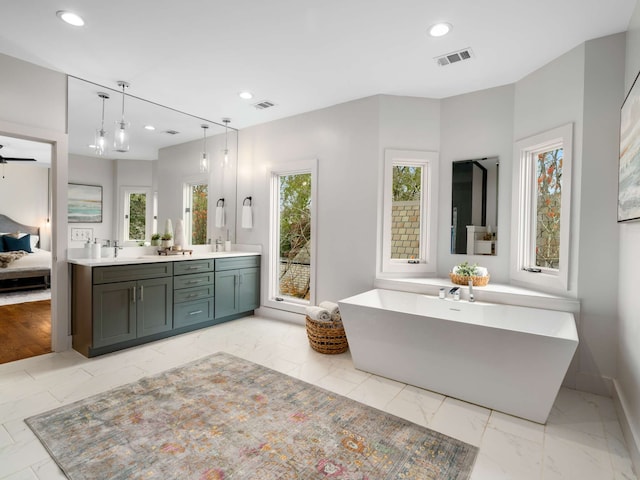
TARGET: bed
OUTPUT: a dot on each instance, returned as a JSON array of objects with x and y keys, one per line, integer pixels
[{"x": 32, "y": 270}]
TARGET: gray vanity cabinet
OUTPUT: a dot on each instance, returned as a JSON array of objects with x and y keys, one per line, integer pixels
[
  {"x": 237, "y": 285},
  {"x": 119, "y": 306},
  {"x": 193, "y": 293},
  {"x": 127, "y": 310},
  {"x": 116, "y": 306}
]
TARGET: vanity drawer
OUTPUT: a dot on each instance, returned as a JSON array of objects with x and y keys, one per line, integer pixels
[
  {"x": 237, "y": 262},
  {"x": 193, "y": 266},
  {"x": 190, "y": 313},
  {"x": 191, "y": 294},
  {"x": 125, "y": 273},
  {"x": 195, "y": 280}
]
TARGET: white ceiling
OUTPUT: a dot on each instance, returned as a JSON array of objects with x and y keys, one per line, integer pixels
[{"x": 196, "y": 55}]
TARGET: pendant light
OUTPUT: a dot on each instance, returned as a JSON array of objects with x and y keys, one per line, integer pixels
[
  {"x": 100, "y": 142},
  {"x": 225, "y": 160},
  {"x": 121, "y": 134},
  {"x": 204, "y": 161}
]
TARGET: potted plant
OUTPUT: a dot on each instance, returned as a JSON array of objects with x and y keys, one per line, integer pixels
[
  {"x": 155, "y": 240},
  {"x": 167, "y": 241}
]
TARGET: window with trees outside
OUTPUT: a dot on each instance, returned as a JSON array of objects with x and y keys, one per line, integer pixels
[
  {"x": 196, "y": 212},
  {"x": 136, "y": 226},
  {"x": 292, "y": 235},
  {"x": 409, "y": 230},
  {"x": 542, "y": 182}
]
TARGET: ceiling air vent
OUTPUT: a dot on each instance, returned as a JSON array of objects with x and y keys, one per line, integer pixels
[
  {"x": 172, "y": 132},
  {"x": 264, "y": 104},
  {"x": 454, "y": 57}
]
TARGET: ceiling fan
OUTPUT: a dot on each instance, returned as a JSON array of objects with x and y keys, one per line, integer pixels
[{"x": 14, "y": 159}]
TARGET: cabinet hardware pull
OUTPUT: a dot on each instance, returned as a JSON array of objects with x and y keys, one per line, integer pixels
[
  {"x": 133, "y": 289},
  {"x": 142, "y": 293},
  {"x": 194, "y": 281},
  {"x": 196, "y": 312}
]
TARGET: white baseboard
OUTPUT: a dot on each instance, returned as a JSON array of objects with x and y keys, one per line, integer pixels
[
  {"x": 633, "y": 440},
  {"x": 283, "y": 315}
]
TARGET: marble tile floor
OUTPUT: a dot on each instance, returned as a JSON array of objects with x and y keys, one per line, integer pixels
[{"x": 582, "y": 439}]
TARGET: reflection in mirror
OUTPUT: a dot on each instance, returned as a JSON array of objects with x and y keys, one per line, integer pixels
[
  {"x": 474, "y": 206},
  {"x": 146, "y": 185}
]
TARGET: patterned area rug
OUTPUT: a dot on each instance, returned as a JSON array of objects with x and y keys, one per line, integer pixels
[{"x": 222, "y": 417}]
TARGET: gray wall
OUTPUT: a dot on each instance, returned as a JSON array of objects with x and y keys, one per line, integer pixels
[{"x": 628, "y": 378}]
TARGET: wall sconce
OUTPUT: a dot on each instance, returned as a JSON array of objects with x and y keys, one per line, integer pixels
[{"x": 121, "y": 135}]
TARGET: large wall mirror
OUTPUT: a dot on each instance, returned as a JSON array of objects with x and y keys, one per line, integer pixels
[
  {"x": 161, "y": 164},
  {"x": 474, "y": 206}
]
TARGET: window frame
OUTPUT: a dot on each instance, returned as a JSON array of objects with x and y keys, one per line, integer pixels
[
  {"x": 291, "y": 168},
  {"x": 187, "y": 206},
  {"x": 429, "y": 162},
  {"x": 125, "y": 195},
  {"x": 524, "y": 209}
]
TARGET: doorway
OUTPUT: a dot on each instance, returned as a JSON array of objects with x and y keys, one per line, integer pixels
[{"x": 57, "y": 176}]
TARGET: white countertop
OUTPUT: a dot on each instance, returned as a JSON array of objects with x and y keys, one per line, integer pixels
[{"x": 151, "y": 258}]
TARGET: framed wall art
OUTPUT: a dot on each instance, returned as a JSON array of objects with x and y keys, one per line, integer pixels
[
  {"x": 84, "y": 203},
  {"x": 629, "y": 163}
]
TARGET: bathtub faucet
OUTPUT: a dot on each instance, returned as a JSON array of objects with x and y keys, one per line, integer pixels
[
  {"x": 472, "y": 297},
  {"x": 455, "y": 293}
]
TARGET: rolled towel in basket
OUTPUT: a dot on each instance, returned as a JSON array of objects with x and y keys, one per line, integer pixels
[
  {"x": 481, "y": 272},
  {"x": 318, "y": 313},
  {"x": 333, "y": 308}
]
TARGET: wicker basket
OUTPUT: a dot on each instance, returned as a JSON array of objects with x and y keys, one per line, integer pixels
[
  {"x": 464, "y": 280},
  {"x": 327, "y": 337}
]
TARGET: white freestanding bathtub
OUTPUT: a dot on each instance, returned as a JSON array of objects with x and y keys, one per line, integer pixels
[{"x": 507, "y": 358}]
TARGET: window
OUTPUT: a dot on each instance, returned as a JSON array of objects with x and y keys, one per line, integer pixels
[
  {"x": 292, "y": 250},
  {"x": 136, "y": 223},
  {"x": 409, "y": 224},
  {"x": 196, "y": 212},
  {"x": 541, "y": 206}
]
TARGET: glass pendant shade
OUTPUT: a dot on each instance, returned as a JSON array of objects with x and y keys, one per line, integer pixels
[
  {"x": 121, "y": 133},
  {"x": 204, "y": 163},
  {"x": 225, "y": 159},
  {"x": 121, "y": 136},
  {"x": 100, "y": 142},
  {"x": 204, "y": 160}
]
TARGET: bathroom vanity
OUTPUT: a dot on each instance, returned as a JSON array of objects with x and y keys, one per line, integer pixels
[{"x": 122, "y": 302}]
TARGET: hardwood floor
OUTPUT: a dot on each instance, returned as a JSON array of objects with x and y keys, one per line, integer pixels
[{"x": 25, "y": 330}]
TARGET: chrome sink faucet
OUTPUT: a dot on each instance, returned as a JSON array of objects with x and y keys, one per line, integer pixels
[
  {"x": 472, "y": 297},
  {"x": 116, "y": 247}
]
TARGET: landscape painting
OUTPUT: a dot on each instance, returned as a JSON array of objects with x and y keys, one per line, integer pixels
[
  {"x": 629, "y": 166},
  {"x": 85, "y": 203}
]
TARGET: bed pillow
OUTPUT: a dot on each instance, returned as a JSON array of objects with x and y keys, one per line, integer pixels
[{"x": 12, "y": 244}]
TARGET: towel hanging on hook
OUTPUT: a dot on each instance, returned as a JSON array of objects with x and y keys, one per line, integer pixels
[
  {"x": 247, "y": 214},
  {"x": 220, "y": 220}
]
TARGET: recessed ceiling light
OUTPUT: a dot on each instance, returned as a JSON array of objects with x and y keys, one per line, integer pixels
[
  {"x": 70, "y": 18},
  {"x": 439, "y": 29},
  {"x": 149, "y": 127},
  {"x": 246, "y": 95}
]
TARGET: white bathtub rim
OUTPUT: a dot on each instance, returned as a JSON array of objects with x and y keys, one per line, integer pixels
[{"x": 568, "y": 330}]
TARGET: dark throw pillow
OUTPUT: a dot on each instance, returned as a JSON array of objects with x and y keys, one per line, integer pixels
[{"x": 12, "y": 244}]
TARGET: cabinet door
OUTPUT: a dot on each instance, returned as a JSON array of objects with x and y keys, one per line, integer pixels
[
  {"x": 249, "y": 289},
  {"x": 226, "y": 298},
  {"x": 154, "y": 306},
  {"x": 114, "y": 313}
]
